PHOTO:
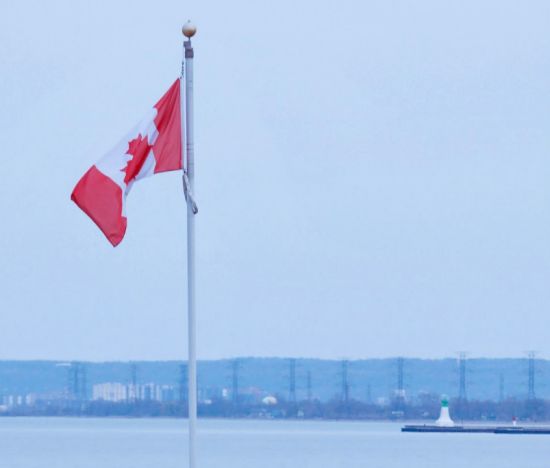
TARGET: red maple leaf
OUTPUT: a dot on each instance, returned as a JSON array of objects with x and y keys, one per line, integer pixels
[{"x": 139, "y": 149}]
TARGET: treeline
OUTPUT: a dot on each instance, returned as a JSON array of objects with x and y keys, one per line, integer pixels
[
  {"x": 365, "y": 379},
  {"x": 426, "y": 408}
]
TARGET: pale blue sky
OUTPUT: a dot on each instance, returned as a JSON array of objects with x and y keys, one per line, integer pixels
[{"x": 372, "y": 177}]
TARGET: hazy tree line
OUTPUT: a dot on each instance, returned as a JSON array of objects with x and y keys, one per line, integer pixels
[
  {"x": 426, "y": 407},
  {"x": 366, "y": 380},
  {"x": 386, "y": 389}
]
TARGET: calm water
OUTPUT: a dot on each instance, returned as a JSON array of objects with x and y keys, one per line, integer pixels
[{"x": 161, "y": 443}]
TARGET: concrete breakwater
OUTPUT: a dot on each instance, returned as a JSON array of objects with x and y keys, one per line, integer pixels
[{"x": 478, "y": 429}]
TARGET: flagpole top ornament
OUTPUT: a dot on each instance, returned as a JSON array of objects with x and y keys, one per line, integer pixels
[{"x": 189, "y": 29}]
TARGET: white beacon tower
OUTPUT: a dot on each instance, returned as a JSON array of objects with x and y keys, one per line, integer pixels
[{"x": 444, "y": 417}]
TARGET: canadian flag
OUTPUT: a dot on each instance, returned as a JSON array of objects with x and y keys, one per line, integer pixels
[{"x": 152, "y": 146}]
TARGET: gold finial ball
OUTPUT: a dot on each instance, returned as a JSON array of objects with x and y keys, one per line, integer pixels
[{"x": 189, "y": 29}]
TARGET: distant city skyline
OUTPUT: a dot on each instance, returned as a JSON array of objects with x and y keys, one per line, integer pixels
[{"x": 373, "y": 180}]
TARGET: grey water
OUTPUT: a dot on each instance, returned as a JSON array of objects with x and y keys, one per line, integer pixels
[{"x": 162, "y": 443}]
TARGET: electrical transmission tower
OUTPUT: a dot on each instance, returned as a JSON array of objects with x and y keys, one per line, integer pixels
[
  {"x": 84, "y": 380},
  {"x": 182, "y": 383},
  {"x": 369, "y": 393},
  {"x": 77, "y": 381},
  {"x": 462, "y": 395},
  {"x": 72, "y": 382},
  {"x": 531, "y": 376},
  {"x": 133, "y": 390},
  {"x": 400, "y": 388},
  {"x": 345, "y": 382},
  {"x": 235, "y": 366},
  {"x": 292, "y": 381}
]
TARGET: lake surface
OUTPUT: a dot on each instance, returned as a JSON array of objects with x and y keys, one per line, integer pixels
[{"x": 162, "y": 443}]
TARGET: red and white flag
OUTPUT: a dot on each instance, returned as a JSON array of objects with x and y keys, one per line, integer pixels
[{"x": 152, "y": 146}]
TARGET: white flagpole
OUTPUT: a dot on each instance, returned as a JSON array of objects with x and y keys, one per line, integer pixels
[{"x": 188, "y": 182}]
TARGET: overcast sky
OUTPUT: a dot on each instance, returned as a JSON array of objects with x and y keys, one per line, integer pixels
[{"x": 373, "y": 179}]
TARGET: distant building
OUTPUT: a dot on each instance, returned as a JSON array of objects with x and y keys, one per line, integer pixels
[
  {"x": 111, "y": 391},
  {"x": 269, "y": 400},
  {"x": 118, "y": 392},
  {"x": 9, "y": 401}
]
